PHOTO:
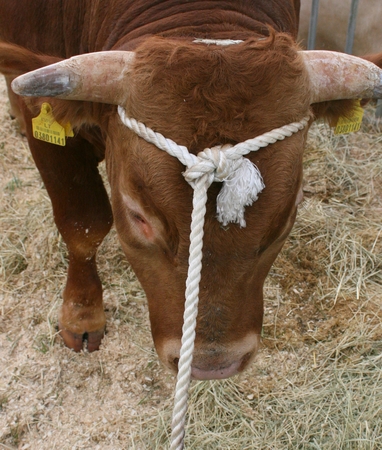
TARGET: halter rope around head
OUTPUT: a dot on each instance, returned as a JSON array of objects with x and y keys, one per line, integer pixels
[{"x": 242, "y": 183}]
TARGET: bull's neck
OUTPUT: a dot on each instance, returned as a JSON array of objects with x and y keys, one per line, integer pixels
[
  {"x": 95, "y": 25},
  {"x": 192, "y": 18}
]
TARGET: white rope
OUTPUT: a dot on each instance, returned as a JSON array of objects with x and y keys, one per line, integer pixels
[
  {"x": 222, "y": 42},
  {"x": 242, "y": 183}
]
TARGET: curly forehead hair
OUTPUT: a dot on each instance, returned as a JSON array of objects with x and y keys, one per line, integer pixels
[{"x": 218, "y": 94}]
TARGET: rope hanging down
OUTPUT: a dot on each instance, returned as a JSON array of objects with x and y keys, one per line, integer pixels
[{"x": 242, "y": 182}]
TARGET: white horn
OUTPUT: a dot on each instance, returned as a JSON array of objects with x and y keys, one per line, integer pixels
[
  {"x": 97, "y": 77},
  {"x": 335, "y": 76}
]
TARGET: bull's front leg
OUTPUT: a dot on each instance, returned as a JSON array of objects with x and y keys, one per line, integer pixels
[
  {"x": 83, "y": 216},
  {"x": 82, "y": 317},
  {"x": 14, "y": 105}
]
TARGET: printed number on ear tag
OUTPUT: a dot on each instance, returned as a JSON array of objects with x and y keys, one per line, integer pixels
[
  {"x": 352, "y": 123},
  {"x": 46, "y": 128}
]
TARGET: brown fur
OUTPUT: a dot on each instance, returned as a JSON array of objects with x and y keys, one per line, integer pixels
[
  {"x": 219, "y": 95},
  {"x": 68, "y": 28}
]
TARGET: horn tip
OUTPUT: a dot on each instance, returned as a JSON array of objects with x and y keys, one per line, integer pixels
[{"x": 45, "y": 82}]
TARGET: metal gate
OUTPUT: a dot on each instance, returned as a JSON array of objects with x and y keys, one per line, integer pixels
[
  {"x": 311, "y": 43},
  {"x": 351, "y": 26}
]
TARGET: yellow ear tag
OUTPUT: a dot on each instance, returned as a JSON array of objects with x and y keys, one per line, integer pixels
[
  {"x": 352, "y": 123},
  {"x": 46, "y": 128},
  {"x": 68, "y": 130}
]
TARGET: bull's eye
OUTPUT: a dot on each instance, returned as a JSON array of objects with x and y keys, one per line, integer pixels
[
  {"x": 141, "y": 224},
  {"x": 138, "y": 217},
  {"x": 145, "y": 225}
]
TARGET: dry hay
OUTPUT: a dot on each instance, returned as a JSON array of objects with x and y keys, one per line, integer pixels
[{"x": 316, "y": 382}]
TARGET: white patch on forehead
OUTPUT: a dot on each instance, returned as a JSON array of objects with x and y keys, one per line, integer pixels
[{"x": 217, "y": 41}]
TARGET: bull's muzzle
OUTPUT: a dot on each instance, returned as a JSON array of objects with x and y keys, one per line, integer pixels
[{"x": 213, "y": 362}]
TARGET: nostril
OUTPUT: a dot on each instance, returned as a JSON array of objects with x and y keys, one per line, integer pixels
[
  {"x": 246, "y": 358},
  {"x": 175, "y": 362}
]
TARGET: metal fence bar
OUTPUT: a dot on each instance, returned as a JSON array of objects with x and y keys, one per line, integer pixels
[
  {"x": 311, "y": 44},
  {"x": 351, "y": 26},
  {"x": 313, "y": 25}
]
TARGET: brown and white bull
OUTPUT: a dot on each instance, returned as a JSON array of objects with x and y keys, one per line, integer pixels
[{"x": 148, "y": 58}]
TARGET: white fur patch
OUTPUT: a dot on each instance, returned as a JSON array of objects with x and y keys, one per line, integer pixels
[{"x": 217, "y": 41}]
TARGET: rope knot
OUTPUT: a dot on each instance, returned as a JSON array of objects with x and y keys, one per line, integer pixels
[
  {"x": 211, "y": 161},
  {"x": 242, "y": 181}
]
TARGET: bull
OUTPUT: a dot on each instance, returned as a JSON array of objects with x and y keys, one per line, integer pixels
[{"x": 204, "y": 74}]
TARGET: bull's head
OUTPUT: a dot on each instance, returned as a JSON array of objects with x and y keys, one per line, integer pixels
[{"x": 201, "y": 96}]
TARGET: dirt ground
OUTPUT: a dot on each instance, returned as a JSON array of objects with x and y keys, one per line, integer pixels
[{"x": 316, "y": 381}]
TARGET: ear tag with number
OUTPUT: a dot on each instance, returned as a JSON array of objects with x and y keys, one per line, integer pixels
[
  {"x": 352, "y": 123},
  {"x": 46, "y": 128}
]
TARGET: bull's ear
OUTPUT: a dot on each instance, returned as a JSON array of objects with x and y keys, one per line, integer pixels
[
  {"x": 375, "y": 58},
  {"x": 333, "y": 110},
  {"x": 338, "y": 76},
  {"x": 16, "y": 60},
  {"x": 97, "y": 77}
]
